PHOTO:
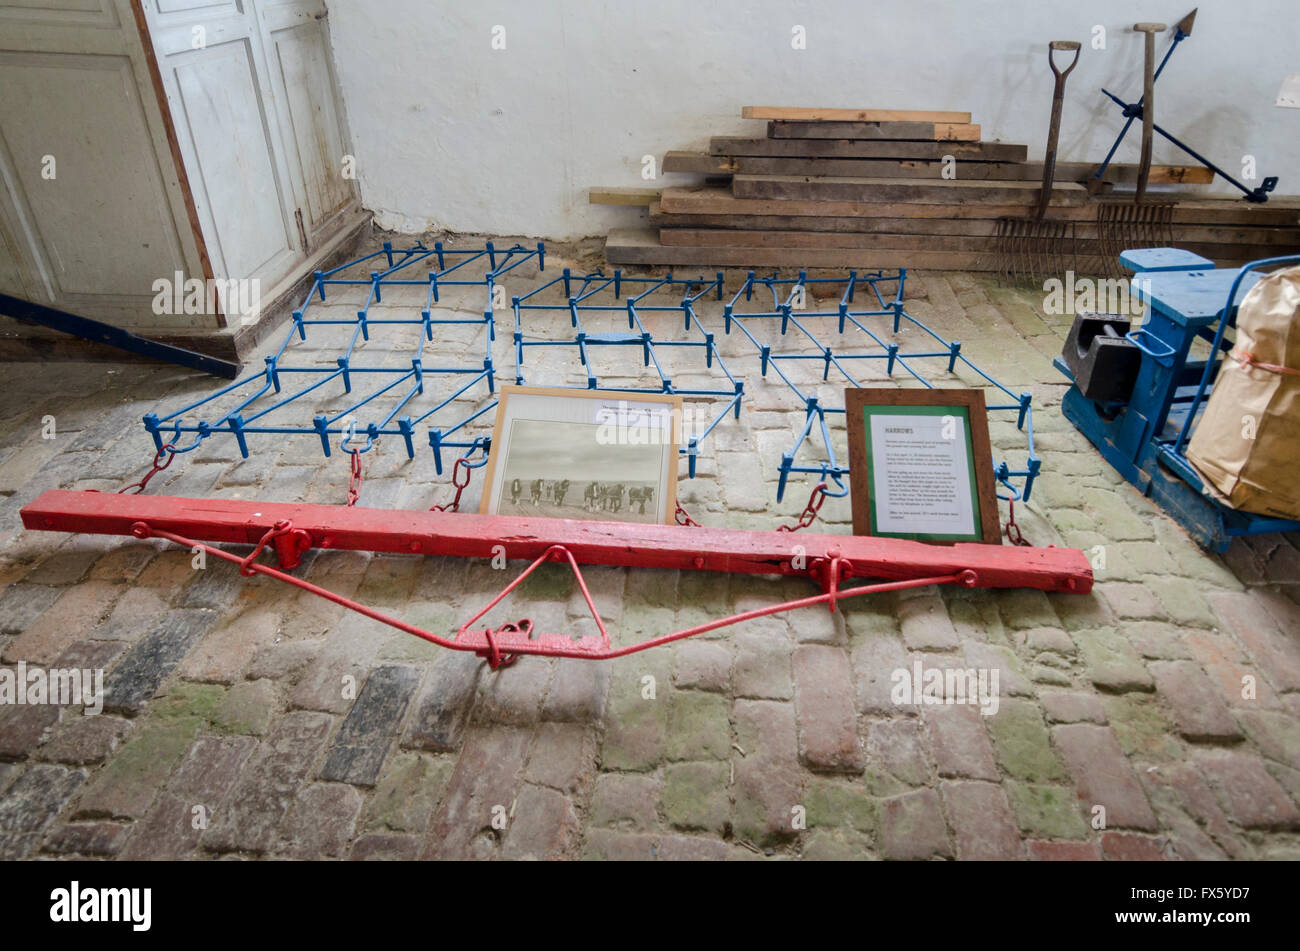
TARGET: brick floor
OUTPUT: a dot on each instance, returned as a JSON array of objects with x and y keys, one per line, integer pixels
[{"x": 1157, "y": 718}]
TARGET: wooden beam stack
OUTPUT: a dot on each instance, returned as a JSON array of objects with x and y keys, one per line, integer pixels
[{"x": 867, "y": 188}]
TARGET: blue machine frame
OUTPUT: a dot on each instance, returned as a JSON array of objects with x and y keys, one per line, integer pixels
[
  {"x": 453, "y": 270},
  {"x": 852, "y": 316},
  {"x": 1145, "y": 438},
  {"x": 588, "y": 297},
  {"x": 586, "y": 300},
  {"x": 87, "y": 329}
]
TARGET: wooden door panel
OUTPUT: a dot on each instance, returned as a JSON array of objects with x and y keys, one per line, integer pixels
[
  {"x": 102, "y": 14},
  {"x": 313, "y": 120},
  {"x": 199, "y": 136},
  {"x": 191, "y": 9},
  {"x": 114, "y": 217},
  {"x": 232, "y": 173},
  {"x": 260, "y": 129},
  {"x": 101, "y": 224}
]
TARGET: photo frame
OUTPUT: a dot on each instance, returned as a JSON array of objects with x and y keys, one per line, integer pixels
[
  {"x": 921, "y": 466},
  {"x": 560, "y": 452}
]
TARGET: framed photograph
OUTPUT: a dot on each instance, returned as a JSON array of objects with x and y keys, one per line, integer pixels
[
  {"x": 569, "y": 453},
  {"x": 920, "y": 466}
]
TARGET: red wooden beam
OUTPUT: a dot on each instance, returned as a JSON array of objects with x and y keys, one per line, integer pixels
[{"x": 592, "y": 543}]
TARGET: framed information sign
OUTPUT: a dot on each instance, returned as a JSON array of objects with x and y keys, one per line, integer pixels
[
  {"x": 920, "y": 466},
  {"x": 563, "y": 452}
]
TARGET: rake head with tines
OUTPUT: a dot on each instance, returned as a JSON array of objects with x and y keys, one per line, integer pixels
[
  {"x": 1122, "y": 225},
  {"x": 1029, "y": 249}
]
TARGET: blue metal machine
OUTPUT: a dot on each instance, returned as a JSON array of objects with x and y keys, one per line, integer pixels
[
  {"x": 1145, "y": 436},
  {"x": 264, "y": 403},
  {"x": 898, "y": 341},
  {"x": 391, "y": 392},
  {"x": 596, "y": 294}
]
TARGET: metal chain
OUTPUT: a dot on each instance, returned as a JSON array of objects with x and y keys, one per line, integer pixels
[
  {"x": 354, "y": 480},
  {"x": 1013, "y": 530},
  {"x": 462, "y": 465},
  {"x": 809, "y": 514},
  {"x": 153, "y": 471},
  {"x": 683, "y": 517}
]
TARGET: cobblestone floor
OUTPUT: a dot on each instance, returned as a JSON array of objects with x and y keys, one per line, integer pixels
[{"x": 229, "y": 725}]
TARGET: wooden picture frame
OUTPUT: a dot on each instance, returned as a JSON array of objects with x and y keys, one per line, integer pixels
[
  {"x": 926, "y": 416},
  {"x": 561, "y": 452}
]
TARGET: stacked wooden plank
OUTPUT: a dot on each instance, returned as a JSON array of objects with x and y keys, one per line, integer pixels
[{"x": 877, "y": 188}]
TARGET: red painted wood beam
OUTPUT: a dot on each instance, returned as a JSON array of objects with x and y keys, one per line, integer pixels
[{"x": 592, "y": 543}]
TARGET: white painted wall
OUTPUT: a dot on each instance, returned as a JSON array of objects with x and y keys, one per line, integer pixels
[{"x": 452, "y": 134}]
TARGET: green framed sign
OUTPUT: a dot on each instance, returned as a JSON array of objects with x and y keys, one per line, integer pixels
[{"x": 920, "y": 465}]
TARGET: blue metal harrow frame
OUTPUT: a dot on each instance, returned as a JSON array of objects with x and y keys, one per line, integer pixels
[
  {"x": 855, "y": 341},
  {"x": 260, "y": 396},
  {"x": 869, "y": 323},
  {"x": 595, "y": 294}
]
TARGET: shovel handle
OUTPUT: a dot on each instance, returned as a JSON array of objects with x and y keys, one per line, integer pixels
[
  {"x": 1067, "y": 46},
  {"x": 1054, "y": 127}
]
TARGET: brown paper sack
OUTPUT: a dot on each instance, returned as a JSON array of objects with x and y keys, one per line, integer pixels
[{"x": 1247, "y": 444}]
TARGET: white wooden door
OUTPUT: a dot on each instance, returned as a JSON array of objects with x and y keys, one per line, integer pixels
[
  {"x": 252, "y": 93},
  {"x": 93, "y": 208}
]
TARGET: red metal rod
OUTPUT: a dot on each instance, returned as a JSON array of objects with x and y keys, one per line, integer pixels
[
  {"x": 250, "y": 568},
  {"x": 808, "y": 602},
  {"x": 556, "y": 552},
  {"x": 623, "y": 544},
  {"x": 501, "y": 646}
]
